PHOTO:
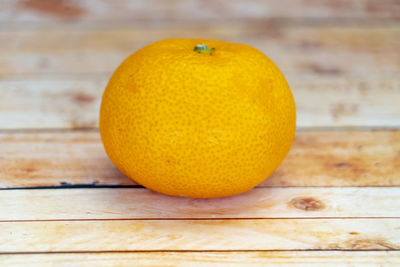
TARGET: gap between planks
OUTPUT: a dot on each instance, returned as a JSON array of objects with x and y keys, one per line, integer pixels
[
  {"x": 366, "y": 251},
  {"x": 298, "y": 129},
  {"x": 105, "y": 186},
  {"x": 198, "y": 25},
  {"x": 195, "y": 219}
]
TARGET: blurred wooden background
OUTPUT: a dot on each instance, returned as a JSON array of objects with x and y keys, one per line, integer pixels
[
  {"x": 340, "y": 57},
  {"x": 62, "y": 202}
]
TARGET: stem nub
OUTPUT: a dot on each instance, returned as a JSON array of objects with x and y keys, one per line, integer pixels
[{"x": 203, "y": 49}]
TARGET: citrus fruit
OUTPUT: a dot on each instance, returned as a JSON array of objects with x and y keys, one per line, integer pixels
[{"x": 197, "y": 118}]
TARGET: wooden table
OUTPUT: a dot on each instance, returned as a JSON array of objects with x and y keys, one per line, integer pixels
[{"x": 335, "y": 200}]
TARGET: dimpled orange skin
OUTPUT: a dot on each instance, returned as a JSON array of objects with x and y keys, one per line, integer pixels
[{"x": 198, "y": 125}]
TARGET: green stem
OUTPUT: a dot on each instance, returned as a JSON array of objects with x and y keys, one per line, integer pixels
[{"x": 203, "y": 49}]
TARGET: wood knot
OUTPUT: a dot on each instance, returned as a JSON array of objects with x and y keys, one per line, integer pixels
[
  {"x": 342, "y": 164},
  {"x": 307, "y": 203},
  {"x": 60, "y": 8},
  {"x": 83, "y": 98}
]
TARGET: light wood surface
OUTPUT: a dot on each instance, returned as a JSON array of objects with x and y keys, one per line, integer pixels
[
  {"x": 188, "y": 258},
  {"x": 201, "y": 235},
  {"x": 334, "y": 201},
  {"x": 72, "y": 101},
  {"x": 303, "y": 48},
  {"x": 125, "y": 10},
  {"x": 317, "y": 158},
  {"x": 140, "y": 203}
]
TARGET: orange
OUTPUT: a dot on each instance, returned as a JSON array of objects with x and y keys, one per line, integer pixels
[{"x": 197, "y": 118}]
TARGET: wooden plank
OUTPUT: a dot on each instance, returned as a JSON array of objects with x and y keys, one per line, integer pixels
[
  {"x": 104, "y": 10},
  {"x": 47, "y": 159},
  {"x": 135, "y": 203},
  {"x": 74, "y": 101},
  {"x": 344, "y": 101},
  {"x": 234, "y": 258},
  {"x": 322, "y": 49},
  {"x": 317, "y": 158},
  {"x": 50, "y": 103},
  {"x": 144, "y": 235}
]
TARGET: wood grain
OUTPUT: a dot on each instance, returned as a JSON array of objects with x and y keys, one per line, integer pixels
[
  {"x": 46, "y": 11},
  {"x": 74, "y": 101},
  {"x": 135, "y": 203},
  {"x": 50, "y": 103},
  {"x": 335, "y": 200},
  {"x": 322, "y": 49},
  {"x": 317, "y": 158},
  {"x": 234, "y": 258},
  {"x": 58, "y": 158},
  {"x": 238, "y": 234}
]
